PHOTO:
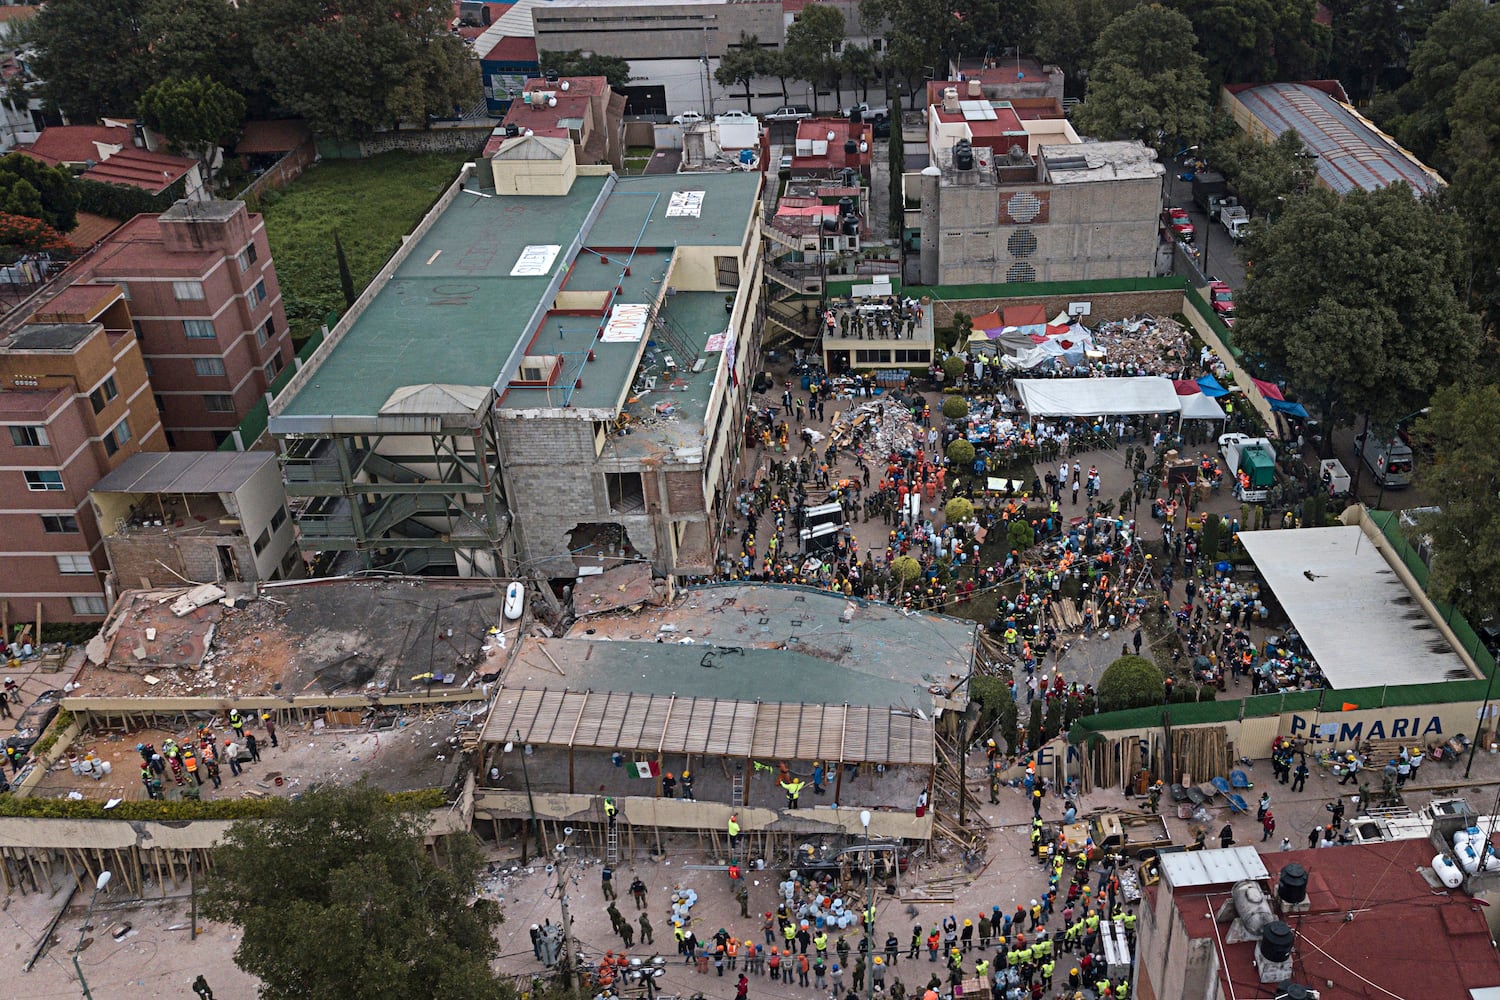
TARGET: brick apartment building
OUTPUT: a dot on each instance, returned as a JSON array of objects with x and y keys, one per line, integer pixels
[
  {"x": 75, "y": 404},
  {"x": 204, "y": 299}
]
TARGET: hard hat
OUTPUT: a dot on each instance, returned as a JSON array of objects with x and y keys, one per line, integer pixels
[
  {"x": 669, "y": 774},
  {"x": 879, "y": 960},
  {"x": 968, "y": 923}
]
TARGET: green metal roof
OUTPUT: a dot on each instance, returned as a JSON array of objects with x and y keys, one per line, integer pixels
[{"x": 453, "y": 312}]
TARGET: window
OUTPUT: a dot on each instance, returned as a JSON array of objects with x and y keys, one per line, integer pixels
[
  {"x": 161, "y": 402},
  {"x": 729, "y": 272},
  {"x": 88, "y": 605},
  {"x": 872, "y": 357},
  {"x": 101, "y": 397},
  {"x": 150, "y": 371},
  {"x": 44, "y": 481},
  {"x": 74, "y": 564},
  {"x": 60, "y": 524},
  {"x": 247, "y": 257},
  {"x": 187, "y": 291},
  {"x": 117, "y": 437},
  {"x": 267, "y": 331},
  {"x": 273, "y": 368},
  {"x": 256, "y": 295},
  {"x": 199, "y": 329},
  {"x": 911, "y": 357},
  {"x": 263, "y": 540},
  {"x": 278, "y": 518},
  {"x": 627, "y": 492},
  {"x": 28, "y": 437},
  {"x": 208, "y": 366},
  {"x": 220, "y": 437},
  {"x": 218, "y": 402}
]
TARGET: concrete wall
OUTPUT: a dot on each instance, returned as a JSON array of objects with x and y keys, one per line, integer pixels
[
  {"x": 1102, "y": 229},
  {"x": 1105, "y": 305},
  {"x": 552, "y": 484},
  {"x": 660, "y": 31}
]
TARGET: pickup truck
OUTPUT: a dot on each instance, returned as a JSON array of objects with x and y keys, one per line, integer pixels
[
  {"x": 1235, "y": 220},
  {"x": 1134, "y": 835},
  {"x": 790, "y": 113},
  {"x": 866, "y": 112}
]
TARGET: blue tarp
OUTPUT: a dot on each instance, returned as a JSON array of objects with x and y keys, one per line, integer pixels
[
  {"x": 1211, "y": 388},
  {"x": 1286, "y": 406}
]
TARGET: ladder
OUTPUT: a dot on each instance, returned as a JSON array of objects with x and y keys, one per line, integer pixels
[
  {"x": 737, "y": 790},
  {"x": 612, "y": 843}
]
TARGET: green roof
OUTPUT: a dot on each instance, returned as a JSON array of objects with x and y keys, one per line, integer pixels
[{"x": 453, "y": 313}]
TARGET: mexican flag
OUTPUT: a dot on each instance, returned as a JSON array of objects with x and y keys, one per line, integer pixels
[{"x": 643, "y": 769}]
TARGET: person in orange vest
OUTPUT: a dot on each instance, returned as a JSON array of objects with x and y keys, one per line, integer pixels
[{"x": 190, "y": 761}]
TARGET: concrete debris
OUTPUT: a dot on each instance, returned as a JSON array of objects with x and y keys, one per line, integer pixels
[{"x": 886, "y": 426}]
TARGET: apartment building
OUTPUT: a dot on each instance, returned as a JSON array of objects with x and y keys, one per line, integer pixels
[
  {"x": 75, "y": 403},
  {"x": 204, "y": 299}
]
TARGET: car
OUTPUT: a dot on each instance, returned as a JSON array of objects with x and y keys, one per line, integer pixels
[
  {"x": 688, "y": 118},
  {"x": 734, "y": 115},
  {"x": 882, "y": 128},
  {"x": 866, "y": 112},
  {"x": 1176, "y": 222},
  {"x": 786, "y": 163},
  {"x": 32, "y": 722},
  {"x": 811, "y": 860},
  {"x": 1222, "y": 297},
  {"x": 790, "y": 113}
]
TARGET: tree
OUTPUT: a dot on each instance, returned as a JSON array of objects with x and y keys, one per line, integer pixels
[
  {"x": 741, "y": 64},
  {"x": 1265, "y": 174},
  {"x": 1066, "y": 31},
  {"x": 955, "y": 407},
  {"x": 1257, "y": 40},
  {"x": 897, "y": 209},
  {"x": 958, "y": 510},
  {"x": 1130, "y": 682},
  {"x": 960, "y": 453},
  {"x": 858, "y": 64},
  {"x": 1374, "y": 39},
  {"x": 905, "y": 570},
  {"x": 56, "y": 203},
  {"x": 1467, "y": 34},
  {"x": 1377, "y": 324},
  {"x": 1473, "y": 147},
  {"x": 92, "y": 56},
  {"x": 352, "y": 67},
  {"x": 196, "y": 115},
  {"x": 575, "y": 63},
  {"x": 20, "y": 234},
  {"x": 1020, "y": 535},
  {"x": 338, "y": 892},
  {"x": 1463, "y": 480},
  {"x": 810, "y": 43},
  {"x": 1148, "y": 81}
]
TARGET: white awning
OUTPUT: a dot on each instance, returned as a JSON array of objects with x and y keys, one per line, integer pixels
[
  {"x": 1197, "y": 406},
  {"x": 1088, "y": 397},
  {"x": 1355, "y": 615}
]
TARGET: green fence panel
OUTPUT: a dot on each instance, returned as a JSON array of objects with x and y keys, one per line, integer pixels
[{"x": 1036, "y": 289}]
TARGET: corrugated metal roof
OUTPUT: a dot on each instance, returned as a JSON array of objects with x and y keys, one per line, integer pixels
[
  {"x": 1183, "y": 869},
  {"x": 723, "y": 727},
  {"x": 1352, "y": 153},
  {"x": 185, "y": 472}
]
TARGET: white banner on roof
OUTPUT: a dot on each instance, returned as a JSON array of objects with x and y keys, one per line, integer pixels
[{"x": 627, "y": 323}]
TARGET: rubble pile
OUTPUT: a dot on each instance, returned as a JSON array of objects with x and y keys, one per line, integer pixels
[
  {"x": 1143, "y": 345},
  {"x": 885, "y": 426}
]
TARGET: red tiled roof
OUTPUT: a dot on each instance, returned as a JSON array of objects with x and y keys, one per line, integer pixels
[
  {"x": 76, "y": 143},
  {"x": 153, "y": 172},
  {"x": 279, "y": 136},
  {"x": 91, "y": 229},
  {"x": 513, "y": 49},
  {"x": 1402, "y": 932},
  {"x": 843, "y": 130},
  {"x": 17, "y": 12}
]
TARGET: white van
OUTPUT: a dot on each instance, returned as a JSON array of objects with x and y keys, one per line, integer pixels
[{"x": 1390, "y": 460}]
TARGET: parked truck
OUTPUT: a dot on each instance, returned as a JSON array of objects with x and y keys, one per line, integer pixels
[
  {"x": 1208, "y": 188},
  {"x": 1235, "y": 219},
  {"x": 1111, "y": 831},
  {"x": 1252, "y": 463}
]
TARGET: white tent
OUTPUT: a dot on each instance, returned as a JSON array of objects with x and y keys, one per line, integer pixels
[
  {"x": 1197, "y": 406},
  {"x": 1087, "y": 397}
]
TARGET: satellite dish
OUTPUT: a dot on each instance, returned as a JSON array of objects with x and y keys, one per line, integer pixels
[
  {"x": 551, "y": 102},
  {"x": 564, "y": 85},
  {"x": 832, "y": 135},
  {"x": 567, "y": 831}
]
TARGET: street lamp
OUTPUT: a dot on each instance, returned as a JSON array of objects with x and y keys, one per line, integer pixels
[
  {"x": 99, "y": 885},
  {"x": 864, "y": 818},
  {"x": 530, "y": 802}
]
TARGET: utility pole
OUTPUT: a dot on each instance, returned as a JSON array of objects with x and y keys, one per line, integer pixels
[{"x": 567, "y": 924}]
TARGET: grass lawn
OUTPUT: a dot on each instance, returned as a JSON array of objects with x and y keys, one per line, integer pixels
[
  {"x": 636, "y": 158},
  {"x": 371, "y": 203}
]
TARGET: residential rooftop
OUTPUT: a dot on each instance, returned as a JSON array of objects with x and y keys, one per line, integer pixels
[
  {"x": 480, "y": 289},
  {"x": 1374, "y": 927},
  {"x": 49, "y": 337},
  {"x": 1087, "y": 162}
]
